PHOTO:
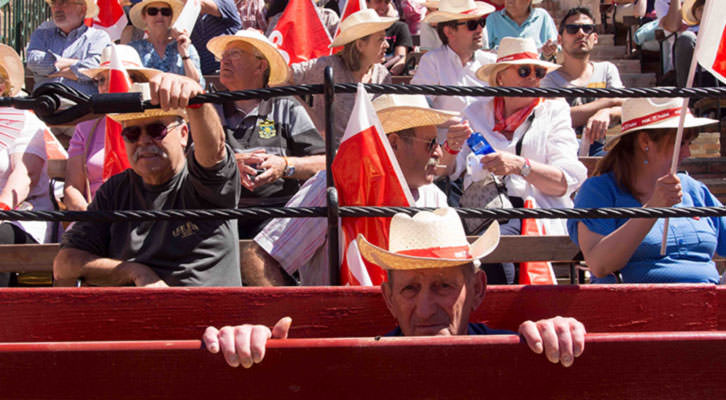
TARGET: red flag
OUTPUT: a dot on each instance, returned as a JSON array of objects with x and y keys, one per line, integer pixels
[
  {"x": 111, "y": 18},
  {"x": 300, "y": 34},
  {"x": 351, "y": 6},
  {"x": 535, "y": 272},
  {"x": 115, "y": 159},
  {"x": 366, "y": 173},
  {"x": 711, "y": 46}
]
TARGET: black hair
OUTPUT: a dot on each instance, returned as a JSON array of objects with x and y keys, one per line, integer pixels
[
  {"x": 440, "y": 29},
  {"x": 575, "y": 11}
]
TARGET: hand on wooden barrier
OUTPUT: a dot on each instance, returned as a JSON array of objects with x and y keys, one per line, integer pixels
[
  {"x": 244, "y": 344},
  {"x": 561, "y": 339}
]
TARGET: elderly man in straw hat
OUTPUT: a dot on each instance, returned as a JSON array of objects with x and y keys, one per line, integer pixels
[
  {"x": 275, "y": 143},
  {"x": 58, "y": 51},
  {"x": 298, "y": 247},
  {"x": 162, "y": 176},
  {"x": 434, "y": 284}
]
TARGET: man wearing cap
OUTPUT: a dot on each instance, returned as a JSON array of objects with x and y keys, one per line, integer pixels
[
  {"x": 434, "y": 284},
  {"x": 58, "y": 51},
  {"x": 275, "y": 142},
  {"x": 298, "y": 246},
  {"x": 162, "y": 253}
]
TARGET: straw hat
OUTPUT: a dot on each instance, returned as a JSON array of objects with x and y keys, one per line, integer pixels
[
  {"x": 429, "y": 240},
  {"x": 137, "y": 11},
  {"x": 687, "y": 13},
  {"x": 452, "y": 10},
  {"x": 403, "y": 111},
  {"x": 361, "y": 24},
  {"x": 91, "y": 8},
  {"x": 143, "y": 88},
  {"x": 513, "y": 51},
  {"x": 278, "y": 65},
  {"x": 647, "y": 113},
  {"x": 12, "y": 67},
  {"x": 128, "y": 57}
]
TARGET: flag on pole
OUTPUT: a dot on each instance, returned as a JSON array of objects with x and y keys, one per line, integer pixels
[
  {"x": 300, "y": 34},
  {"x": 366, "y": 173},
  {"x": 711, "y": 53},
  {"x": 111, "y": 18},
  {"x": 351, "y": 6},
  {"x": 535, "y": 272},
  {"x": 115, "y": 159}
]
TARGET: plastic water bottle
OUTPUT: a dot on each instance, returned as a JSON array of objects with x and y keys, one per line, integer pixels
[{"x": 479, "y": 145}]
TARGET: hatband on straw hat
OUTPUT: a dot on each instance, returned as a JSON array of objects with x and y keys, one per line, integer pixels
[
  {"x": 452, "y": 10},
  {"x": 137, "y": 11},
  {"x": 513, "y": 51},
  {"x": 654, "y": 113},
  {"x": 429, "y": 240},
  {"x": 129, "y": 58},
  {"x": 278, "y": 65},
  {"x": 687, "y": 13},
  {"x": 403, "y": 111},
  {"x": 361, "y": 24},
  {"x": 143, "y": 88},
  {"x": 91, "y": 8},
  {"x": 12, "y": 68}
]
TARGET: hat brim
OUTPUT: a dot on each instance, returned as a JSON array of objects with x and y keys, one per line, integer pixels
[
  {"x": 91, "y": 8},
  {"x": 431, "y": 4},
  {"x": 687, "y": 13},
  {"x": 690, "y": 122},
  {"x": 137, "y": 11},
  {"x": 93, "y": 72},
  {"x": 488, "y": 72},
  {"x": 13, "y": 67},
  {"x": 279, "y": 71},
  {"x": 481, "y": 9},
  {"x": 151, "y": 113},
  {"x": 481, "y": 247},
  {"x": 398, "y": 118},
  {"x": 362, "y": 30}
]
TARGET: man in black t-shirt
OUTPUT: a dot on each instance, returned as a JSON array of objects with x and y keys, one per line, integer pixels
[{"x": 398, "y": 37}]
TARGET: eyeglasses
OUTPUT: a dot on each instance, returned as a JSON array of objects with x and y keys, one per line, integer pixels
[
  {"x": 430, "y": 143},
  {"x": 156, "y": 130},
  {"x": 473, "y": 23},
  {"x": 574, "y": 28},
  {"x": 152, "y": 11},
  {"x": 526, "y": 70}
]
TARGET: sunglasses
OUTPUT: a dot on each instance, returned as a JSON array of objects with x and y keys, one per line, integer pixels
[
  {"x": 574, "y": 28},
  {"x": 430, "y": 143},
  {"x": 152, "y": 11},
  {"x": 472, "y": 24},
  {"x": 526, "y": 70},
  {"x": 156, "y": 130}
]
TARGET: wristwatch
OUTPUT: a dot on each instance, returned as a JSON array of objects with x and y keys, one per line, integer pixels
[
  {"x": 289, "y": 168},
  {"x": 526, "y": 168}
]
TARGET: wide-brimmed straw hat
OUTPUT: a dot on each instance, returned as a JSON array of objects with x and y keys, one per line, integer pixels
[
  {"x": 129, "y": 59},
  {"x": 429, "y": 240},
  {"x": 137, "y": 11},
  {"x": 648, "y": 113},
  {"x": 278, "y": 66},
  {"x": 91, "y": 8},
  {"x": 12, "y": 68},
  {"x": 688, "y": 16},
  {"x": 513, "y": 51},
  {"x": 452, "y": 10},
  {"x": 403, "y": 111},
  {"x": 361, "y": 24},
  {"x": 143, "y": 88}
]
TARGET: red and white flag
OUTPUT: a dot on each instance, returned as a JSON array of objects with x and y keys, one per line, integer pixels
[
  {"x": 300, "y": 34},
  {"x": 711, "y": 51},
  {"x": 115, "y": 160},
  {"x": 351, "y": 6},
  {"x": 366, "y": 173},
  {"x": 111, "y": 18},
  {"x": 535, "y": 272}
]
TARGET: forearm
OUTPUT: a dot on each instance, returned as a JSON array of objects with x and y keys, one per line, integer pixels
[
  {"x": 305, "y": 167},
  {"x": 75, "y": 189},
  {"x": 208, "y": 135},
  {"x": 74, "y": 199},
  {"x": 210, "y": 7},
  {"x": 71, "y": 264},
  {"x": 260, "y": 269},
  {"x": 580, "y": 114},
  {"x": 607, "y": 254},
  {"x": 672, "y": 20},
  {"x": 16, "y": 188},
  {"x": 41, "y": 62},
  {"x": 190, "y": 70},
  {"x": 547, "y": 179}
]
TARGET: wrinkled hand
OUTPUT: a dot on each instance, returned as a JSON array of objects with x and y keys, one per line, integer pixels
[
  {"x": 172, "y": 90},
  {"x": 248, "y": 163},
  {"x": 502, "y": 163},
  {"x": 548, "y": 49},
  {"x": 561, "y": 339},
  {"x": 667, "y": 192},
  {"x": 597, "y": 126},
  {"x": 182, "y": 41},
  {"x": 244, "y": 344},
  {"x": 457, "y": 133},
  {"x": 274, "y": 167},
  {"x": 142, "y": 275}
]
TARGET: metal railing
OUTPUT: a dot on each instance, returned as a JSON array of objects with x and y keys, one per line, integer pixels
[{"x": 18, "y": 20}]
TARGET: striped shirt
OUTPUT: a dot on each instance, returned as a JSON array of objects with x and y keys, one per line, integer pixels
[{"x": 209, "y": 26}]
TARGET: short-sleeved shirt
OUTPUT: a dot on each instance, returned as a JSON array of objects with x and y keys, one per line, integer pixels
[
  {"x": 181, "y": 252},
  {"x": 472, "y": 329},
  {"x": 170, "y": 62},
  {"x": 398, "y": 35},
  {"x": 280, "y": 126},
  {"x": 95, "y": 131},
  {"x": 691, "y": 244},
  {"x": 209, "y": 26},
  {"x": 539, "y": 26}
]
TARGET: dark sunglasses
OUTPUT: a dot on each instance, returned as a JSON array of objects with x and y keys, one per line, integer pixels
[
  {"x": 525, "y": 70},
  {"x": 165, "y": 11},
  {"x": 156, "y": 130},
  {"x": 430, "y": 144},
  {"x": 574, "y": 28},
  {"x": 473, "y": 23}
]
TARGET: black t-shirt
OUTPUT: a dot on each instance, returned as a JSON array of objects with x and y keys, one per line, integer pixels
[{"x": 398, "y": 35}]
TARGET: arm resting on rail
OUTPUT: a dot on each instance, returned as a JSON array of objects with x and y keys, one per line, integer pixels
[
  {"x": 71, "y": 264},
  {"x": 260, "y": 269}
]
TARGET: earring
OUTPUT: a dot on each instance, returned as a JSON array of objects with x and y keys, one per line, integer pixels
[{"x": 645, "y": 162}]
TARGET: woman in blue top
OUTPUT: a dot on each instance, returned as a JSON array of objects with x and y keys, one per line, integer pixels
[
  {"x": 519, "y": 19},
  {"x": 163, "y": 48},
  {"x": 636, "y": 173}
]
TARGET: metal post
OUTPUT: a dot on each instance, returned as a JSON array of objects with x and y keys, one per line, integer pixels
[{"x": 331, "y": 193}]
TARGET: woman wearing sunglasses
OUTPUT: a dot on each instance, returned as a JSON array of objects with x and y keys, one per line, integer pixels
[
  {"x": 164, "y": 49},
  {"x": 535, "y": 145},
  {"x": 519, "y": 19}
]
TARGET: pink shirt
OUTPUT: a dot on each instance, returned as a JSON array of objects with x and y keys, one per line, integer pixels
[{"x": 95, "y": 152}]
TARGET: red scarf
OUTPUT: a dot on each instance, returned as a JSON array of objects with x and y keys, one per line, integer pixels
[{"x": 508, "y": 125}]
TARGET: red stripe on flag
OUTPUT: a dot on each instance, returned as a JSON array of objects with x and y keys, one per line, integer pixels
[{"x": 719, "y": 63}]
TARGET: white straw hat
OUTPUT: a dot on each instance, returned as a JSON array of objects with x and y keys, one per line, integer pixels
[
  {"x": 12, "y": 65},
  {"x": 137, "y": 11},
  {"x": 654, "y": 113},
  {"x": 278, "y": 66},
  {"x": 429, "y": 240},
  {"x": 143, "y": 88},
  {"x": 452, "y": 10},
  {"x": 403, "y": 111},
  {"x": 361, "y": 24},
  {"x": 687, "y": 13},
  {"x": 128, "y": 57},
  {"x": 513, "y": 51},
  {"x": 91, "y": 8}
]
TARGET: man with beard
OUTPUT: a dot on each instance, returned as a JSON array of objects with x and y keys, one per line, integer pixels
[
  {"x": 590, "y": 117},
  {"x": 162, "y": 253}
]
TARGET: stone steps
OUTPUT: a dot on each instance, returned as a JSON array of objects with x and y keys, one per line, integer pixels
[
  {"x": 638, "y": 79},
  {"x": 608, "y": 52},
  {"x": 626, "y": 66}
]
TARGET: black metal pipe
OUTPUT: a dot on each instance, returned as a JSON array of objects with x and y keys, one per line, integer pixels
[{"x": 332, "y": 194}]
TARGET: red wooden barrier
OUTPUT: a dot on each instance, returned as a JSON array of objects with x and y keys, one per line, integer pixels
[
  {"x": 88, "y": 314},
  {"x": 614, "y": 366}
]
